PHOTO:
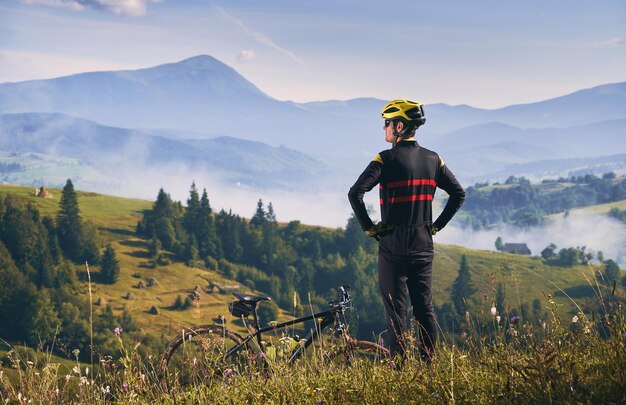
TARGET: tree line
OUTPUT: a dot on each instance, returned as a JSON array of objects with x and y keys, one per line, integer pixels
[{"x": 524, "y": 204}]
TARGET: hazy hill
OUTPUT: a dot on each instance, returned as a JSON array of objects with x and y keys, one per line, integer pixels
[
  {"x": 202, "y": 98},
  {"x": 119, "y": 150}
]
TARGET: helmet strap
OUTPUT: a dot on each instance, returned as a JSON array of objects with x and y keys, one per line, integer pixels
[{"x": 397, "y": 135}]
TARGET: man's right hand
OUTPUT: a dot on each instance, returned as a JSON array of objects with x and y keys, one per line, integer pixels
[{"x": 379, "y": 229}]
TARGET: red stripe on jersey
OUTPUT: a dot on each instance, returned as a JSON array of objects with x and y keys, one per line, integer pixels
[
  {"x": 408, "y": 198},
  {"x": 414, "y": 182}
]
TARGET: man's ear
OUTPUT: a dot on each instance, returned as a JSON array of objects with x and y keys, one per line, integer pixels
[{"x": 399, "y": 126}]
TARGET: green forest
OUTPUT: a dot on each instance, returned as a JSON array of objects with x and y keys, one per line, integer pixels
[
  {"x": 521, "y": 203},
  {"x": 46, "y": 261}
]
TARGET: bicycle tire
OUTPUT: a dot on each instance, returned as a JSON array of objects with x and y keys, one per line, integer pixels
[
  {"x": 343, "y": 349},
  {"x": 354, "y": 350},
  {"x": 199, "y": 354}
]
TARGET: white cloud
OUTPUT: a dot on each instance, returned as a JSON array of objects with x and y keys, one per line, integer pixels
[
  {"x": 134, "y": 8},
  {"x": 246, "y": 56},
  {"x": 611, "y": 43}
]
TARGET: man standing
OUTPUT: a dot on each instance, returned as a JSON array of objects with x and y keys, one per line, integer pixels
[{"x": 408, "y": 176}]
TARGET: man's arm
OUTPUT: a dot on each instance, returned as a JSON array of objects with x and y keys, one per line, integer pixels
[
  {"x": 366, "y": 181},
  {"x": 447, "y": 182}
]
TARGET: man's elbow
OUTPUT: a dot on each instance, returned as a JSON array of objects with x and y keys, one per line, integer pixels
[{"x": 354, "y": 195}]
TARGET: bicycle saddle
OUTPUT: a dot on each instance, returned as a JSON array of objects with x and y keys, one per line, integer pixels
[{"x": 250, "y": 298}]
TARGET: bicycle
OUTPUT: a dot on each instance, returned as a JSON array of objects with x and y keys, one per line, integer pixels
[{"x": 202, "y": 353}]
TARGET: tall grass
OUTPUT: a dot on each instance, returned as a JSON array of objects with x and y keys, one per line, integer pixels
[{"x": 495, "y": 358}]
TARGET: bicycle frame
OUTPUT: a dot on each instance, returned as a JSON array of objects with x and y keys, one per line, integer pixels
[{"x": 328, "y": 317}]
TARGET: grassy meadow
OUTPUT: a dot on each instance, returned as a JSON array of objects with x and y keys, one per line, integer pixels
[{"x": 572, "y": 363}]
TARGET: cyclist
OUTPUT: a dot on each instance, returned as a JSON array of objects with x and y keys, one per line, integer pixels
[{"x": 408, "y": 175}]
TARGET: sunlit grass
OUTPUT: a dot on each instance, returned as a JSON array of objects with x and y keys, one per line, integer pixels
[{"x": 571, "y": 363}]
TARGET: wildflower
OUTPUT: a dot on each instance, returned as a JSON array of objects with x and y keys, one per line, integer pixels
[
  {"x": 623, "y": 335},
  {"x": 228, "y": 372},
  {"x": 67, "y": 377},
  {"x": 575, "y": 319},
  {"x": 1, "y": 374},
  {"x": 76, "y": 369},
  {"x": 498, "y": 318},
  {"x": 261, "y": 355},
  {"x": 117, "y": 331},
  {"x": 392, "y": 365},
  {"x": 493, "y": 311},
  {"x": 125, "y": 385},
  {"x": 319, "y": 401},
  {"x": 87, "y": 371},
  {"x": 515, "y": 319}
]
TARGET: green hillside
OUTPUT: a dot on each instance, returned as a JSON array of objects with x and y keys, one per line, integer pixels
[{"x": 524, "y": 278}]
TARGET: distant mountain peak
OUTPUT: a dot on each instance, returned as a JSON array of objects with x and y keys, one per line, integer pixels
[{"x": 200, "y": 62}]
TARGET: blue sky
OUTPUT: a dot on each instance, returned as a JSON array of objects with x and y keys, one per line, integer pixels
[{"x": 483, "y": 53}]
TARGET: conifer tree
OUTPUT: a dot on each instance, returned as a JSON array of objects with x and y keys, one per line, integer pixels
[
  {"x": 42, "y": 320},
  {"x": 110, "y": 268},
  {"x": 69, "y": 222},
  {"x": 259, "y": 217},
  {"x": 154, "y": 248},
  {"x": 192, "y": 213},
  {"x": 208, "y": 241},
  {"x": 462, "y": 288}
]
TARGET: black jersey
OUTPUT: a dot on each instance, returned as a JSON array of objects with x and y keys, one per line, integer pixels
[{"x": 408, "y": 176}]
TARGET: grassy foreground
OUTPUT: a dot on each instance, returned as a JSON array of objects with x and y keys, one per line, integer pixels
[{"x": 569, "y": 363}]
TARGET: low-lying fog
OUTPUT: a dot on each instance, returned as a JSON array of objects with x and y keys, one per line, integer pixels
[{"x": 331, "y": 209}]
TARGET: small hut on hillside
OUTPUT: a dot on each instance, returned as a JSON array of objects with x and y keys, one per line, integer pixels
[
  {"x": 516, "y": 248},
  {"x": 41, "y": 192}
]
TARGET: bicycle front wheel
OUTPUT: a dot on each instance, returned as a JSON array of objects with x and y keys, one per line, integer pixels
[
  {"x": 351, "y": 351},
  {"x": 343, "y": 350},
  {"x": 201, "y": 354}
]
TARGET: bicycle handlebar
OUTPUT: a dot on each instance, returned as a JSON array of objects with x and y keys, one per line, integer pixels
[{"x": 343, "y": 296}]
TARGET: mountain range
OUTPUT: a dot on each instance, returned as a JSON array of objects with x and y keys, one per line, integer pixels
[{"x": 202, "y": 113}]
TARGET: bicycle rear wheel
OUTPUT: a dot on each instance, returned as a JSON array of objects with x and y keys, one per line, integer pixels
[{"x": 200, "y": 354}]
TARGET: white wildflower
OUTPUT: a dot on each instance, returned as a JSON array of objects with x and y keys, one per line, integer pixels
[
  {"x": 498, "y": 318},
  {"x": 67, "y": 377},
  {"x": 87, "y": 371},
  {"x": 575, "y": 319},
  {"x": 76, "y": 369},
  {"x": 493, "y": 311}
]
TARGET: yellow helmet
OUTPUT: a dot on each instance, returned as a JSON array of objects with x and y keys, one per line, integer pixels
[{"x": 411, "y": 112}]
